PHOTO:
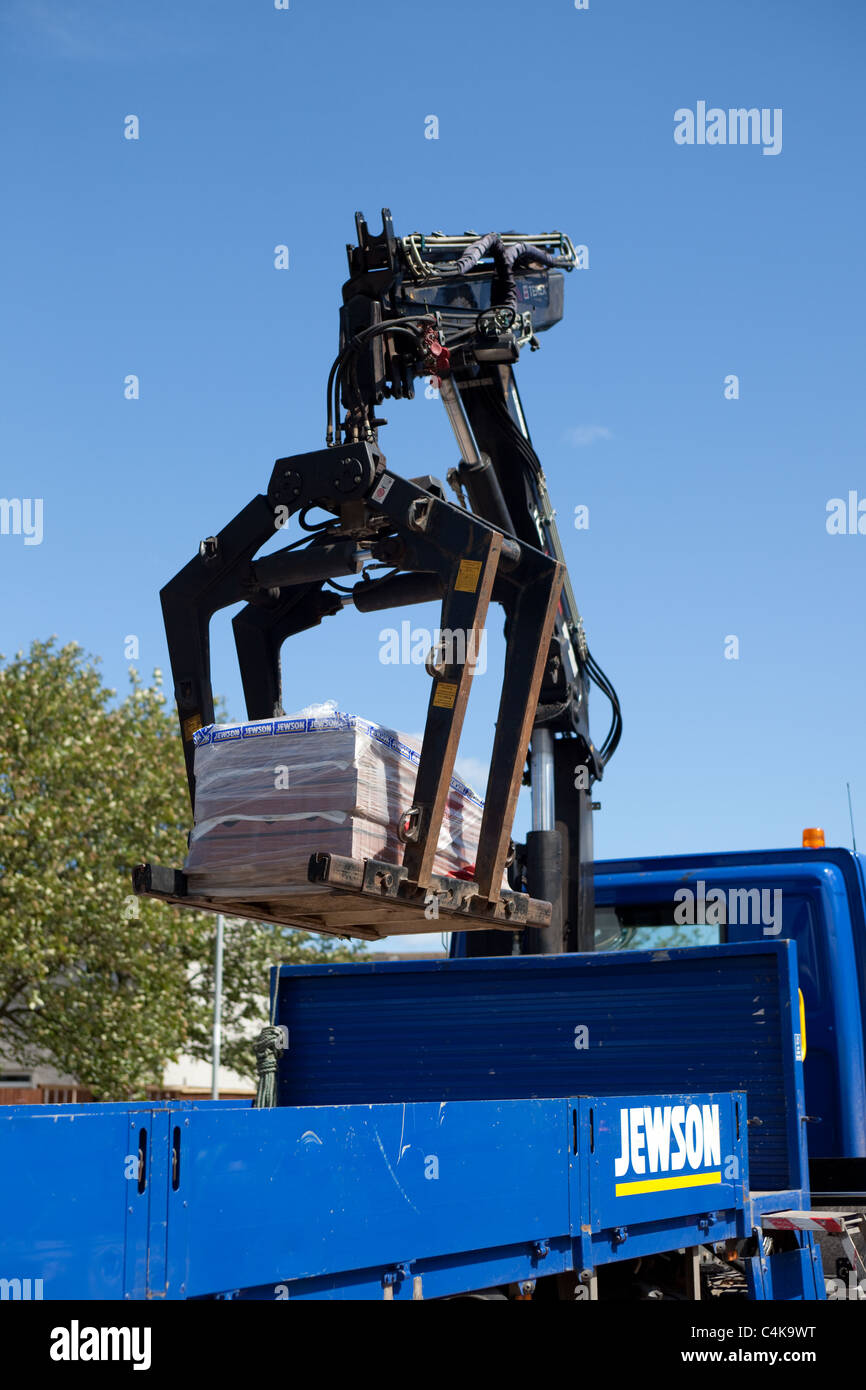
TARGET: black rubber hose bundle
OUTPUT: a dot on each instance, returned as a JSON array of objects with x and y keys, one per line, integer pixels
[{"x": 509, "y": 262}]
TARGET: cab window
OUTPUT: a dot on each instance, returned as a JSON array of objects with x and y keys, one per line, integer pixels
[{"x": 649, "y": 927}]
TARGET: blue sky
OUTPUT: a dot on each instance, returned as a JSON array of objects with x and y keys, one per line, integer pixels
[{"x": 707, "y": 516}]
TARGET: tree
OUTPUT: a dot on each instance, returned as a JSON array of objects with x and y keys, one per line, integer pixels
[{"x": 105, "y": 986}]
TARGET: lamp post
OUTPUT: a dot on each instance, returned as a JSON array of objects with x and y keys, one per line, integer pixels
[{"x": 217, "y": 1006}]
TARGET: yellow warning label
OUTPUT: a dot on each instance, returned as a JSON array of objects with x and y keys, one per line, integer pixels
[
  {"x": 189, "y": 726},
  {"x": 444, "y": 695},
  {"x": 468, "y": 576}
]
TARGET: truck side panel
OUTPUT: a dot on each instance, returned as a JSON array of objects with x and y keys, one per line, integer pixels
[{"x": 604, "y": 1024}]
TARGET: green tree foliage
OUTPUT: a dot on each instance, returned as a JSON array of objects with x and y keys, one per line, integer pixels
[{"x": 105, "y": 986}]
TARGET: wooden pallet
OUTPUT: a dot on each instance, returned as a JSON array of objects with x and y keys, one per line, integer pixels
[{"x": 364, "y": 898}]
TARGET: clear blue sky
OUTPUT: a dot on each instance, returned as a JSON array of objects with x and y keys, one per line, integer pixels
[{"x": 707, "y": 516}]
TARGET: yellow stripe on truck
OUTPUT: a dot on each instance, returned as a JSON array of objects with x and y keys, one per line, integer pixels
[
  {"x": 634, "y": 1189},
  {"x": 802, "y": 1024}
]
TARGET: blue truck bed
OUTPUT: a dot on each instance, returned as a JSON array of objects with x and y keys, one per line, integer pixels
[
  {"x": 703, "y": 1018},
  {"x": 438, "y": 1131}
]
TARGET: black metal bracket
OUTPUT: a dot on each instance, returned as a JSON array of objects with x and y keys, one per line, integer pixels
[{"x": 374, "y": 878}]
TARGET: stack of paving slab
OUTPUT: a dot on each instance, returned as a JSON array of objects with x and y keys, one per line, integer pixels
[{"x": 271, "y": 793}]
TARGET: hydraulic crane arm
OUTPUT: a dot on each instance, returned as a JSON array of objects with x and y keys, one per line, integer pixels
[
  {"x": 489, "y": 297},
  {"x": 458, "y": 310}
]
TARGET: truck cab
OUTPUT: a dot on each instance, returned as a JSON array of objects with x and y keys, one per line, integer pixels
[{"x": 814, "y": 897}]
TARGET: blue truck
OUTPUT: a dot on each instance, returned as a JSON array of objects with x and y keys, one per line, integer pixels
[
  {"x": 558, "y": 1126},
  {"x": 679, "y": 1114},
  {"x": 625, "y": 1081}
]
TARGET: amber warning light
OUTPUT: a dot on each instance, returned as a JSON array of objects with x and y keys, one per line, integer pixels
[{"x": 813, "y": 837}]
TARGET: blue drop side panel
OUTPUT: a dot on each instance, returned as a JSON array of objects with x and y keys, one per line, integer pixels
[
  {"x": 279, "y": 1196},
  {"x": 69, "y": 1216},
  {"x": 697, "y": 1019}
]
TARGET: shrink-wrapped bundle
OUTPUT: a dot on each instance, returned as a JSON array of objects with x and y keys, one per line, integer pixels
[{"x": 272, "y": 792}]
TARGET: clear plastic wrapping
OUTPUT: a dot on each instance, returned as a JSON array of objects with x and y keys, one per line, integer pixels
[{"x": 271, "y": 793}]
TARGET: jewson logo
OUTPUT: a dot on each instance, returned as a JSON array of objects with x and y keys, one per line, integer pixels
[
  {"x": 21, "y": 1289},
  {"x": 736, "y": 126},
  {"x": 76, "y": 1343},
  {"x": 738, "y": 906},
  {"x": 22, "y": 516},
  {"x": 437, "y": 650},
  {"x": 669, "y": 1139}
]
